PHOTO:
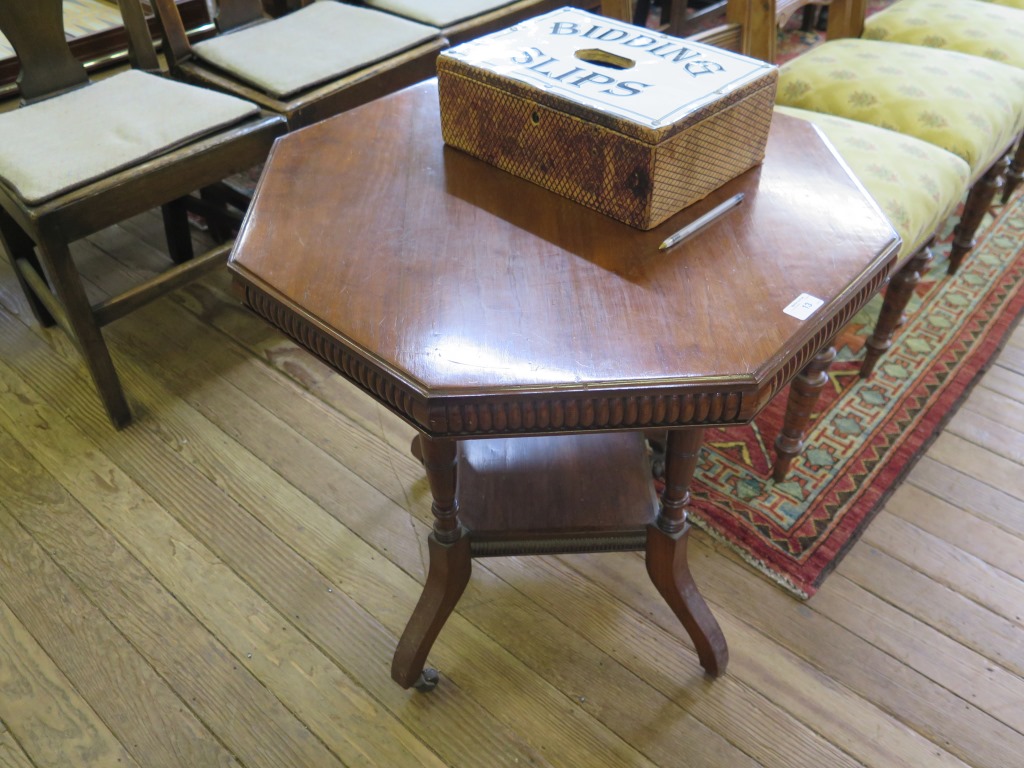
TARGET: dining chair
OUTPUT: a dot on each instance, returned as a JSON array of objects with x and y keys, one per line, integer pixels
[
  {"x": 318, "y": 60},
  {"x": 81, "y": 155},
  {"x": 461, "y": 20}
]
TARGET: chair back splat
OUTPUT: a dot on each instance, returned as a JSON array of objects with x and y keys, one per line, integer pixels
[
  {"x": 36, "y": 31},
  {"x": 141, "y": 52},
  {"x": 234, "y": 14}
]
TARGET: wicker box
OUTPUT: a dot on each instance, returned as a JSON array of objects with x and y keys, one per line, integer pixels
[{"x": 620, "y": 118}]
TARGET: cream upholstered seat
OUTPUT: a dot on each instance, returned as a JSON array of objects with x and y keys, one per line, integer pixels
[
  {"x": 440, "y": 13},
  {"x": 320, "y": 59},
  {"x": 314, "y": 44},
  {"x": 117, "y": 123}
]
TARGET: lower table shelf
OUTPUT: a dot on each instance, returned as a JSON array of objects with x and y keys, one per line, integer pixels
[
  {"x": 555, "y": 494},
  {"x": 589, "y": 492}
]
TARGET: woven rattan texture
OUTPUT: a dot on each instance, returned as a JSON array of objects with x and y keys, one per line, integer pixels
[
  {"x": 696, "y": 162},
  {"x": 630, "y": 180}
]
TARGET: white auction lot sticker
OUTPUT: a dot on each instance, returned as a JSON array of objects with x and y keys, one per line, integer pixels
[{"x": 803, "y": 306}]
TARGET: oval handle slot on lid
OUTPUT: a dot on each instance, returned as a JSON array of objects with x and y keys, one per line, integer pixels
[{"x": 604, "y": 59}]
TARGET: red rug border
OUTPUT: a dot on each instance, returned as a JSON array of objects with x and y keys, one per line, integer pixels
[{"x": 995, "y": 329}]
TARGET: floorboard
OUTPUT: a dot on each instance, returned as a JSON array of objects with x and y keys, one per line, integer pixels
[{"x": 223, "y": 583}]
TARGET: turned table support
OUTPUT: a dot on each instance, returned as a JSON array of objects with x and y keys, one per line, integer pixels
[
  {"x": 666, "y": 552},
  {"x": 448, "y": 572}
]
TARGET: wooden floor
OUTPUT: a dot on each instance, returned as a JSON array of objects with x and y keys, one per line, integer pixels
[{"x": 222, "y": 584}]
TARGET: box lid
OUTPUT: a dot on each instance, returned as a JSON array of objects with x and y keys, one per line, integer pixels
[{"x": 642, "y": 82}]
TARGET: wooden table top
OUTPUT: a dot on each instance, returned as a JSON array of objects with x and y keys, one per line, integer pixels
[{"x": 472, "y": 301}]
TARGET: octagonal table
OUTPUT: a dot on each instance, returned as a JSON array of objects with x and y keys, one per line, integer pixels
[{"x": 532, "y": 341}]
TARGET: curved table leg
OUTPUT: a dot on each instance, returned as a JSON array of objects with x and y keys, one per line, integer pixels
[
  {"x": 449, "y": 568},
  {"x": 666, "y": 553}
]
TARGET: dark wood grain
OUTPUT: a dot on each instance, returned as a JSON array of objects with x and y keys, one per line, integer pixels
[{"x": 442, "y": 284}]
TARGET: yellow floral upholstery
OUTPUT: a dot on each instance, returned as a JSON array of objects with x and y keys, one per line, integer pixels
[
  {"x": 978, "y": 28},
  {"x": 916, "y": 184},
  {"x": 968, "y": 105}
]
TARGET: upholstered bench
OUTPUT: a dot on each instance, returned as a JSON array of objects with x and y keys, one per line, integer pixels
[
  {"x": 993, "y": 30},
  {"x": 981, "y": 29},
  {"x": 970, "y": 106},
  {"x": 917, "y": 185}
]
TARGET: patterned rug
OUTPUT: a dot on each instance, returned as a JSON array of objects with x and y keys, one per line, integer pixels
[
  {"x": 794, "y": 39},
  {"x": 868, "y": 433}
]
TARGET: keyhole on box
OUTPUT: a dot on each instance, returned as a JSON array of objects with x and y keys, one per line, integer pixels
[
  {"x": 535, "y": 118},
  {"x": 604, "y": 59}
]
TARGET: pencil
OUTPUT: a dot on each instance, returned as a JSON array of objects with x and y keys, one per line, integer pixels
[{"x": 701, "y": 222}]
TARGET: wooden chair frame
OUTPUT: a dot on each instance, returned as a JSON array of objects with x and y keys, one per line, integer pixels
[
  {"x": 37, "y": 237},
  {"x": 506, "y": 16},
  {"x": 310, "y": 106}
]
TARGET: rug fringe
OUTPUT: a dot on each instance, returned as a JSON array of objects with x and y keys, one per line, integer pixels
[{"x": 779, "y": 578}]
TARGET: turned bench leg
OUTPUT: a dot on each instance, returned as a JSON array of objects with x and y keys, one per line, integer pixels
[
  {"x": 892, "y": 316},
  {"x": 1015, "y": 174},
  {"x": 978, "y": 201}
]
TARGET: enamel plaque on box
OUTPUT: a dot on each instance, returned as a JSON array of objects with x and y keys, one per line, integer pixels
[{"x": 631, "y": 122}]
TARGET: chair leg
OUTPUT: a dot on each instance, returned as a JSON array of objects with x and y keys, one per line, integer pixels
[
  {"x": 20, "y": 247},
  {"x": 1015, "y": 175},
  {"x": 810, "y": 17},
  {"x": 223, "y": 208},
  {"x": 641, "y": 11},
  {"x": 804, "y": 393},
  {"x": 179, "y": 236},
  {"x": 978, "y": 201},
  {"x": 897, "y": 296},
  {"x": 80, "y": 323}
]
